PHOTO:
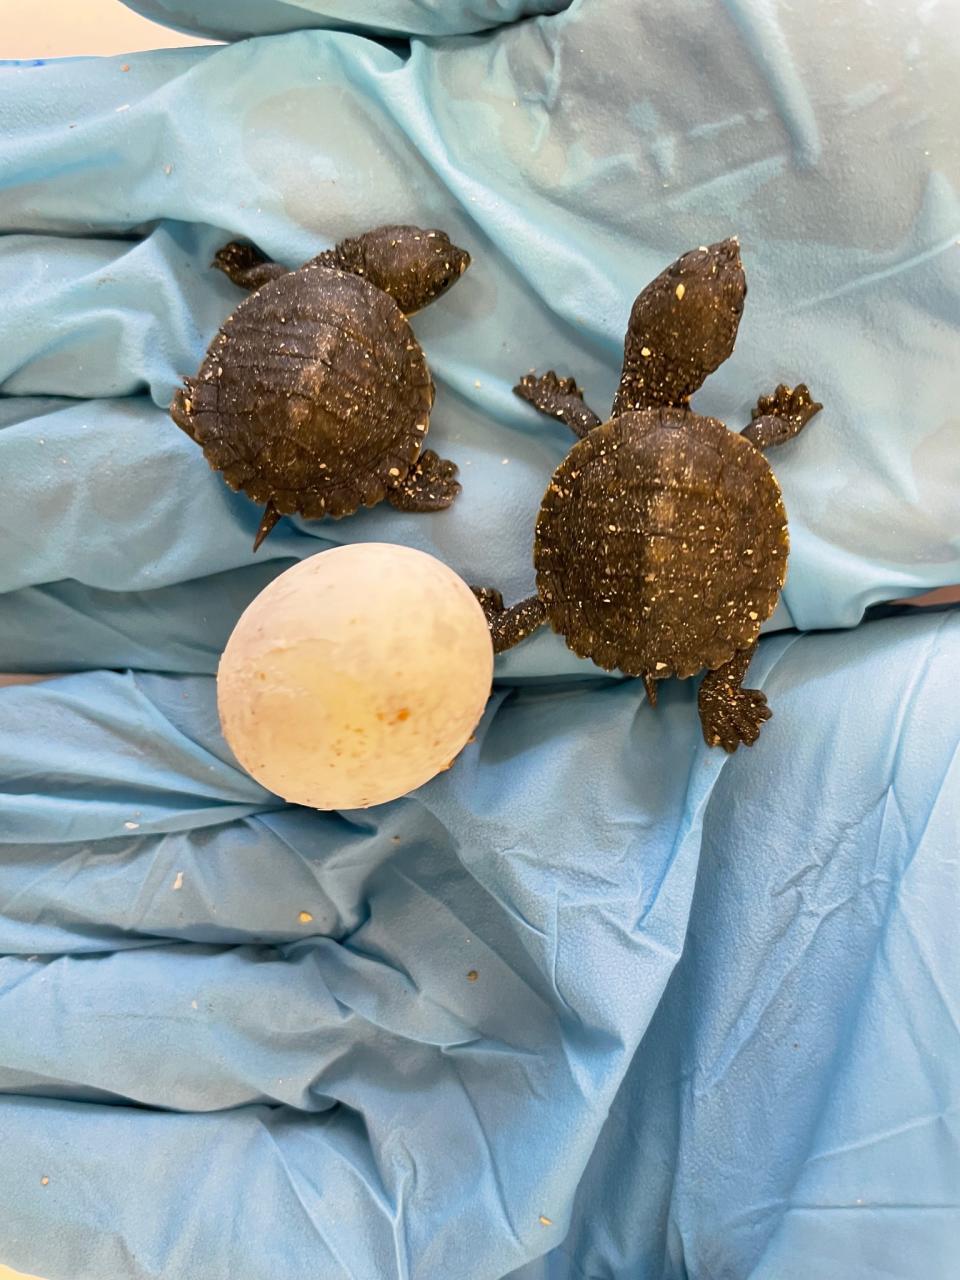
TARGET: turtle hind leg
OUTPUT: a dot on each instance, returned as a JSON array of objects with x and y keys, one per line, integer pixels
[
  {"x": 509, "y": 626},
  {"x": 558, "y": 398},
  {"x": 782, "y": 416},
  {"x": 270, "y": 517},
  {"x": 246, "y": 266},
  {"x": 730, "y": 714},
  {"x": 430, "y": 485}
]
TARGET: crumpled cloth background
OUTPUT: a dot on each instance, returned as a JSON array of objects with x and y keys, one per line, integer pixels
[{"x": 714, "y": 1027}]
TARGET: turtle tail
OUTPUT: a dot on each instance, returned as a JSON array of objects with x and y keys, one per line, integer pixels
[
  {"x": 650, "y": 684},
  {"x": 270, "y": 517}
]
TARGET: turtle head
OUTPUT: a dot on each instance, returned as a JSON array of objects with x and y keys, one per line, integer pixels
[
  {"x": 683, "y": 325},
  {"x": 413, "y": 265}
]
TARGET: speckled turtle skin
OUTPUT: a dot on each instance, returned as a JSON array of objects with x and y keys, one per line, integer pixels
[
  {"x": 661, "y": 544},
  {"x": 315, "y": 397}
]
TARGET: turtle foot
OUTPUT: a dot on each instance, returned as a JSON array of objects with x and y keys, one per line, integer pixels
[
  {"x": 558, "y": 398},
  {"x": 730, "y": 714},
  {"x": 509, "y": 626},
  {"x": 546, "y": 388},
  {"x": 431, "y": 485},
  {"x": 788, "y": 402},
  {"x": 246, "y": 266},
  {"x": 781, "y": 416}
]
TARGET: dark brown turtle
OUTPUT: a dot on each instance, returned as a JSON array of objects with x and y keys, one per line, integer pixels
[
  {"x": 661, "y": 544},
  {"x": 315, "y": 397}
]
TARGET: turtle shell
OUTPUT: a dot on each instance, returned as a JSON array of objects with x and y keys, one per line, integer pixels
[
  {"x": 314, "y": 394},
  {"x": 661, "y": 544}
]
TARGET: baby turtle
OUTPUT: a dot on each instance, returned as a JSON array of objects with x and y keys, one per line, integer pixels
[
  {"x": 661, "y": 544},
  {"x": 315, "y": 397}
]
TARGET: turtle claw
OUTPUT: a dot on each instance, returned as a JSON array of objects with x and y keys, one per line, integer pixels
[{"x": 431, "y": 485}]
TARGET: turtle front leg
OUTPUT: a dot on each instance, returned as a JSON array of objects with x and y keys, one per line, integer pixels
[
  {"x": 558, "y": 398},
  {"x": 430, "y": 485},
  {"x": 246, "y": 266},
  {"x": 780, "y": 417},
  {"x": 509, "y": 626},
  {"x": 729, "y": 714}
]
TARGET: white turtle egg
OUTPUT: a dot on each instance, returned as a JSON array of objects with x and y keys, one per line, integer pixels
[{"x": 355, "y": 677}]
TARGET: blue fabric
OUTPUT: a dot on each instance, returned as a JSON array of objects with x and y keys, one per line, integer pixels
[
  {"x": 721, "y": 989},
  {"x": 384, "y": 17},
  {"x": 599, "y": 1003}
]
